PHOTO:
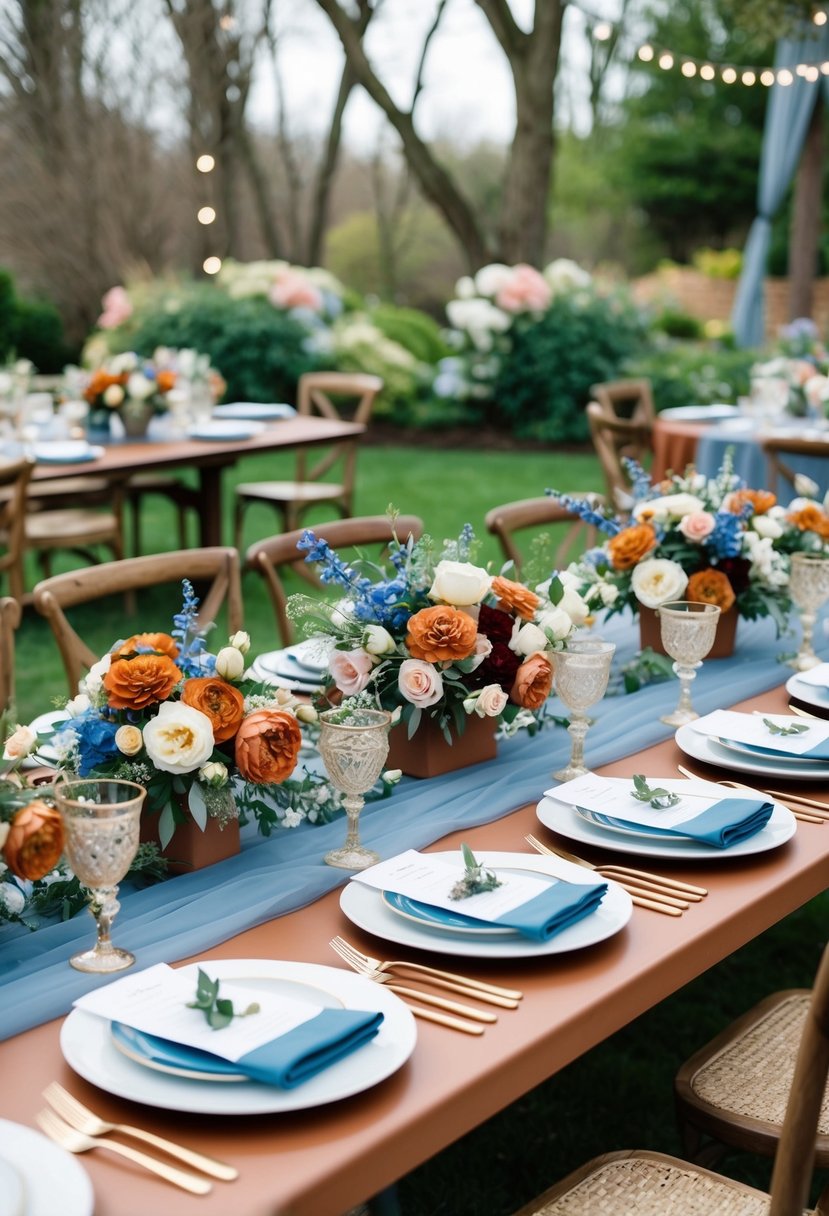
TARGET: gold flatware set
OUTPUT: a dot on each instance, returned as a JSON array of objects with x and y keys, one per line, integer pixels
[{"x": 807, "y": 810}]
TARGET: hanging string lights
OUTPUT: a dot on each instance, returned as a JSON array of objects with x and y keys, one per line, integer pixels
[{"x": 207, "y": 215}]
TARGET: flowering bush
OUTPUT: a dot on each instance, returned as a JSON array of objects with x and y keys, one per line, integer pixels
[
  {"x": 161, "y": 710},
  {"x": 699, "y": 539},
  {"x": 438, "y": 635}
]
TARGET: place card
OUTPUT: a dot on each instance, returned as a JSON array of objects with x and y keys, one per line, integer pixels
[
  {"x": 614, "y": 796},
  {"x": 155, "y": 1000},
  {"x": 752, "y": 730}
]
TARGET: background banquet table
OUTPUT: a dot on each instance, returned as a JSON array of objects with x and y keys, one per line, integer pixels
[
  {"x": 320, "y": 1162},
  {"x": 744, "y": 440}
]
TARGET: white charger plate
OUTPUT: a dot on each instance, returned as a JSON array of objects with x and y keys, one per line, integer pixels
[
  {"x": 700, "y": 413},
  {"x": 66, "y": 452},
  {"x": 365, "y": 907},
  {"x": 46, "y": 754},
  {"x": 225, "y": 430},
  {"x": 87, "y": 1047},
  {"x": 707, "y": 749},
  {"x": 809, "y": 694},
  {"x": 254, "y": 411},
  {"x": 54, "y": 1180},
  {"x": 564, "y": 819},
  {"x": 764, "y": 753}
]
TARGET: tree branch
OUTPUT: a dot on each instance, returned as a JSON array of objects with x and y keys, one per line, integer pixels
[{"x": 512, "y": 38}]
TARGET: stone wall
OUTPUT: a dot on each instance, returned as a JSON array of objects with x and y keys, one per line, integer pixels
[{"x": 713, "y": 299}]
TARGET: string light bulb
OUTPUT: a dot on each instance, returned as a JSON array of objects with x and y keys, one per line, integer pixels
[
  {"x": 666, "y": 61},
  {"x": 767, "y": 77},
  {"x": 206, "y": 215},
  {"x": 729, "y": 75},
  {"x": 206, "y": 163},
  {"x": 784, "y": 77},
  {"x": 707, "y": 72},
  {"x": 212, "y": 265},
  {"x": 646, "y": 53},
  {"x": 602, "y": 31},
  {"x": 689, "y": 68},
  {"x": 819, "y": 17},
  {"x": 748, "y": 77}
]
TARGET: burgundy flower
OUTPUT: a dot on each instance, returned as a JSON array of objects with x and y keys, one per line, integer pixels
[
  {"x": 499, "y": 667},
  {"x": 736, "y": 570},
  {"x": 495, "y": 624}
]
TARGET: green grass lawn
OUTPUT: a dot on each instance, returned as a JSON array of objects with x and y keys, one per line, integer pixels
[{"x": 620, "y": 1094}]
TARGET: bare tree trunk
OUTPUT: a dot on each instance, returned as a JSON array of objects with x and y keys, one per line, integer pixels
[
  {"x": 804, "y": 237},
  {"x": 261, "y": 197},
  {"x": 321, "y": 197}
]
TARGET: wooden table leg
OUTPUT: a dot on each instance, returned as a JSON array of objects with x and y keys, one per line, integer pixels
[{"x": 210, "y": 507}]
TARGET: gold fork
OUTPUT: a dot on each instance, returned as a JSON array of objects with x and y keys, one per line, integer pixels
[
  {"x": 84, "y": 1120},
  {"x": 818, "y": 812},
  {"x": 628, "y": 874},
  {"x": 491, "y": 994},
  {"x": 641, "y": 896},
  {"x": 76, "y": 1142}
]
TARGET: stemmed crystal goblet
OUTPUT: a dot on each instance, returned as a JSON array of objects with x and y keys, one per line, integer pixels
[
  {"x": 688, "y": 630},
  {"x": 353, "y": 745},
  {"x": 582, "y": 670},
  {"x": 101, "y": 819},
  {"x": 808, "y": 589}
]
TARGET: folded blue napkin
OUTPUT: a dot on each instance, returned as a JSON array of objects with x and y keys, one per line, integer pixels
[
  {"x": 819, "y": 752},
  {"x": 722, "y": 825},
  {"x": 561, "y": 905},
  {"x": 286, "y": 1061}
]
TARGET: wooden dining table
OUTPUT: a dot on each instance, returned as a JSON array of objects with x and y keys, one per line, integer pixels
[
  {"x": 121, "y": 460},
  {"x": 321, "y": 1162}
]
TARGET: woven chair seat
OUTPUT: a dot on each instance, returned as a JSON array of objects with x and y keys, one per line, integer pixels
[
  {"x": 70, "y": 527},
  {"x": 647, "y": 1184},
  {"x": 287, "y": 491}
]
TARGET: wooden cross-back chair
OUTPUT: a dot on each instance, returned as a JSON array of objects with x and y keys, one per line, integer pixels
[
  {"x": 653, "y": 1184},
  {"x": 630, "y": 400},
  {"x": 614, "y": 438},
  {"x": 268, "y": 557},
  {"x": 218, "y": 567},
  {"x": 511, "y": 517},
  {"x": 9, "y": 620},
  {"x": 779, "y": 449},
  {"x": 316, "y": 394}
]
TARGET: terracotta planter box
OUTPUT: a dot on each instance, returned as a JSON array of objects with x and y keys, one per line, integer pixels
[
  {"x": 427, "y": 754},
  {"x": 649, "y": 633},
  {"x": 191, "y": 848}
]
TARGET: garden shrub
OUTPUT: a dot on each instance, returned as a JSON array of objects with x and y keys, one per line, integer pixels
[
  {"x": 38, "y": 336},
  {"x": 415, "y": 331},
  {"x": 678, "y": 324},
  {"x": 693, "y": 373}
]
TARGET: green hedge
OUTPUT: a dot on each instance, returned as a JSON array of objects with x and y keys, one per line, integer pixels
[{"x": 31, "y": 329}]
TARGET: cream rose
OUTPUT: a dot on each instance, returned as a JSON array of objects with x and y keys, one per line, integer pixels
[
  {"x": 763, "y": 525},
  {"x": 377, "y": 640},
  {"x": 459, "y": 583},
  {"x": 670, "y": 506},
  {"x": 78, "y": 705},
  {"x": 489, "y": 702},
  {"x": 528, "y": 637},
  {"x": 230, "y": 663},
  {"x": 697, "y": 525},
  {"x": 139, "y": 386},
  {"x": 556, "y": 624},
  {"x": 19, "y": 743},
  {"x": 420, "y": 682},
  {"x": 113, "y": 395},
  {"x": 129, "y": 740},
  {"x": 350, "y": 669},
  {"x": 658, "y": 580},
  {"x": 93, "y": 681},
  {"x": 179, "y": 738}
]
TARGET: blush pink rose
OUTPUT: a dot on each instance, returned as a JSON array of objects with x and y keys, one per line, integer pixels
[
  {"x": 117, "y": 308},
  {"x": 351, "y": 670},
  {"x": 491, "y": 702},
  {"x": 293, "y": 290},
  {"x": 697, "y": 525},
  {"x": 524, "y": 291},
  {"x": 420, "y": 682}
]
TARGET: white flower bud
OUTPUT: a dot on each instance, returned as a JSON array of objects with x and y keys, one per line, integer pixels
[
  {"x": 240, "y": 641},
  {"x": 129, "y": 740},
  {"x": 306, "y": 713},
  {"x": 230, "y": 663},
  {"x": 392, "y": 775},
  {"x": 377, "y": 640},
  {"x": 214, "y": 773}
]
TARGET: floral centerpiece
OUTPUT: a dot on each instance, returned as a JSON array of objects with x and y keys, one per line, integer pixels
[
  {"x": 437, "y": 639},
  {"x": 135, "y": 388},
  {"x": 797, "y": 376},
  {"x": 695, "y": 538}
]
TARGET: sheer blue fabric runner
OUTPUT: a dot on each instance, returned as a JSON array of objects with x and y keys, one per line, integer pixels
[{"x": 190, "y": 913}]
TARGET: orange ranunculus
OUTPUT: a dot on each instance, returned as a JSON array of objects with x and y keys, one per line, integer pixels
[
  {"x": 223, "y": 704},
  {"x": 761, "y": 500},
  {"x": 515, "y": 597},
  {"x": 441, "y": 634},
  {"x": 627, "y": 548},
  {"x": 710, "y": 587},
  {"x": 811, "y": 518},
  {"x": 267, "y": 746},
  {"x": 533, "y": 682},
  {"x": 99, "y": 382},
  {"x": 35, "y": 841},
  {"x": 162, "y": 643},
  {"x": 141, "y": 681},
  {"x": 165, "y": 381}
]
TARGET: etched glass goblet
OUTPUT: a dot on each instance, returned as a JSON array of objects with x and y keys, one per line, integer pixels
[
  {"x": 353, "y": 746},
  {"x": 808, "y": 589},
  {"x": 101, "y": 820},
  {"x": 582, "y": 670},
  {"x": 688, "y": 630}
]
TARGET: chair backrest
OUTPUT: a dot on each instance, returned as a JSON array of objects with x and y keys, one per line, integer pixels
[
  {"x": 614, "y": 438},
  {"x": 267, "y": 557},
  {"x": 219, "y": 566},
  {"x": 9, "y": 620},
  {"x": 315, "y": 391},
  {"x": 777, "y": 447},
  {"x": 631, "y": 400},
  {"x": 14, "y": 485},
  {"x": 794, "y": 1160},
  {"x": 512, "y": 517}
]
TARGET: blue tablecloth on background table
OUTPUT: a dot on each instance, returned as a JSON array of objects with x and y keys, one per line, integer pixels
[
  {"x": 275, "y": 875},
  {"x": 750, "y": 462}
]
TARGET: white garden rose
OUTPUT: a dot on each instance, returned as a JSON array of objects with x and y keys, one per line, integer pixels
[
  {"x": 527, "y": 638},
  {"x": 657, "y": 580},
  {"x": 20, "y": 743},
  {"x": 179, "y": 739},
  {"x": 78, "y": 705},
  {"x": 140, "y": 387},
  {"x": 230, "y": 663},
  {"x": 670, "y": 506},
  {"x": 377, "y": 640},
  {"x": 490, "y": 279},
  {"x": 764, "y": 525},
  {"x": 127, "y": 361},
  {"x": 564, "y": 274},
  {"x": 465, "y": 287},
  {"x": 805, "y": 487},
  {"x": 459, "y": 583},
  {"x": 555, "y": 623}
]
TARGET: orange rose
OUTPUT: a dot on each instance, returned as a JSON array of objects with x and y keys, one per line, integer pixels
[
  {"x": 165, "y": 381},
  {"x": 35, "y": 841},
  {"x": 141, "y": 681},
  {"x": 160, "y": 642},
  {"x": 441, "y": 634},
  {"x": 267, "y": 746},
  {"x": 627, "y": 548},
  {"x": 515, "y": 597},
  {"x": 811, "y": 519},
  {"x": 710, "y": 587},
  {"x": 223, "y": 704},
  {"x": 761, "y": 500},
  {"x": 533, "y": 682}
]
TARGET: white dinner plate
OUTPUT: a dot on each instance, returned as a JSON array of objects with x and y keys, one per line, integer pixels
[
  {"x": 564, "y": 819},
  {"x": 254, "y": 411},
  {"x": 88, "y": 1048},
  {"x": 225, "y": 430},
  {"x": 46, "y": 754},
  {"x": 54, "y": 1180},
  {"x": 703, "y": 747},
  {"x": 365, "y": 907},
  {"x": 66, "y": 452},
  {"x": 809, "y": 694},
  {"x": 607, "y": 822},
  {"x": 700, "y": 413},
  {"x": 765, "y": 753}
]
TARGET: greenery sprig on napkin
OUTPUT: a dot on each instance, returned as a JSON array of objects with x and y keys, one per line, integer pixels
[
  {"x": 218, "y": 1011},
  {"x": 476, "y": 878},
  {"x": 660, "y": 799},
  {"x": 794, "y": 728}
]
